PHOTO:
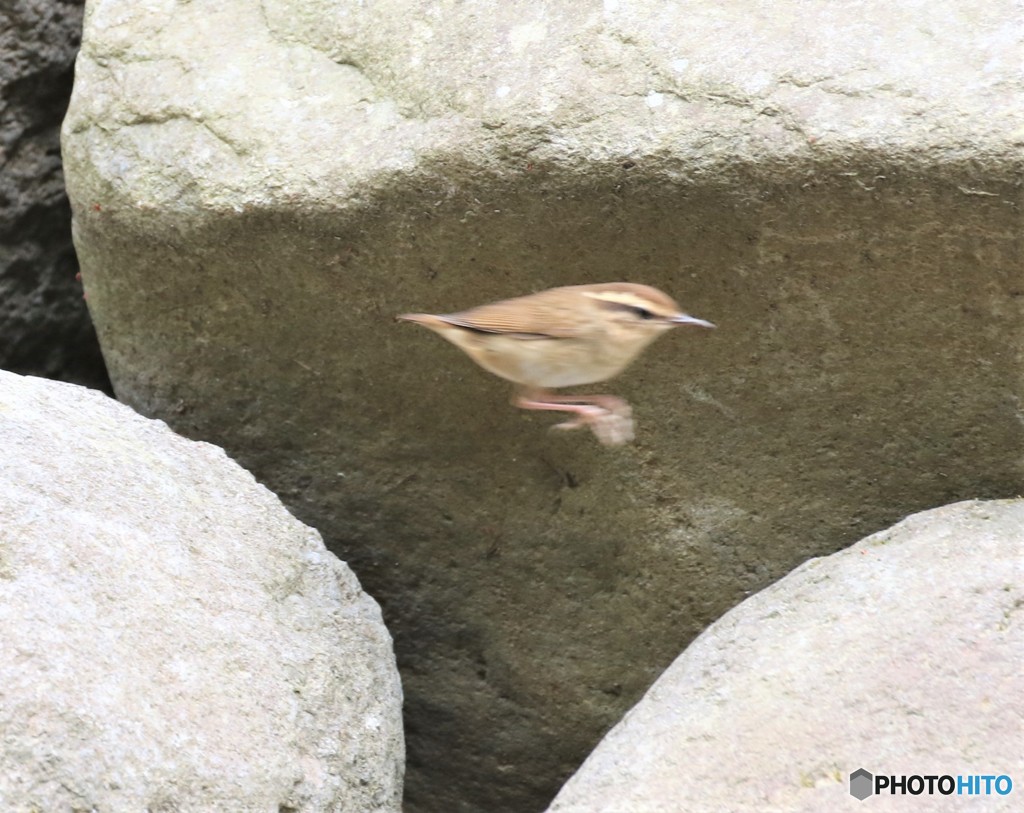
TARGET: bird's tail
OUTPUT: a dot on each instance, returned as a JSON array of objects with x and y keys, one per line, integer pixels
[{"x": 425, "y": 319}]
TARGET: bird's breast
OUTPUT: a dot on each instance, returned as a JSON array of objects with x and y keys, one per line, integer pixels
[{"x": 545, "y": 362}]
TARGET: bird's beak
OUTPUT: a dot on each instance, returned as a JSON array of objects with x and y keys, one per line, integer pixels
[{"x": 685, "y": 319}]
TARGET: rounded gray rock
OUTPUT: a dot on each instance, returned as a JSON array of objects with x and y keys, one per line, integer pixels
[
  {"x": 902, "y": 655},
  {"x": 172, "y": 638},
  {"x": 259, "y": 188}
]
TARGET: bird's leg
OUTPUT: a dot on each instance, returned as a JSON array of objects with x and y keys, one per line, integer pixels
[
  {"x": 610, "y": 418},
  {"x": 609, "y": 403}
]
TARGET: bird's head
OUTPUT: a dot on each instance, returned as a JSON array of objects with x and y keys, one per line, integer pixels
[{"x": 639, "y": 313}]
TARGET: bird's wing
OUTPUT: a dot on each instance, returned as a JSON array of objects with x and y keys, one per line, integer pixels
[{"x": 536, "y": 316}]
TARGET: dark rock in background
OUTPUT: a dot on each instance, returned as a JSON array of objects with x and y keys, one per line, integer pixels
[{"x": 44, "y": 325}]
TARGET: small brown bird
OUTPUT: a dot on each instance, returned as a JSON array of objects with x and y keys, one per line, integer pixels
[{"x": 565, "y": 337}]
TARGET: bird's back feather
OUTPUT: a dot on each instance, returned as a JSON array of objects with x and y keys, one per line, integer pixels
[{"x": 545, "y": 314}]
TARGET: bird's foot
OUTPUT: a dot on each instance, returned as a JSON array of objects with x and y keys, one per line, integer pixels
[
  {"x": 611, "y": 428},
  {"x": 610, "y": 418}
]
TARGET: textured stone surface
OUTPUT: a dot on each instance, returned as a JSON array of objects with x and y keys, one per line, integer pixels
[
  {"x": 44, "y": 326},
  {"x": 172, "y": 638},
  {"x": 900, "y": 655},
  {"x": 258, "y": 189}
]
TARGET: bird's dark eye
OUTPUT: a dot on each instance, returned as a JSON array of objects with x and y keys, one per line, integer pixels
[{"x": 643, "y": 313}]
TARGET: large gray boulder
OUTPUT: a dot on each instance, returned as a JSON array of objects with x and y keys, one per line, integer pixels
[
  {"x": 172, "y": 638},
  {"x": 259, "y": 188},
  {"x": 44, "y": 325},
  {"x": 903, "y": 655}
]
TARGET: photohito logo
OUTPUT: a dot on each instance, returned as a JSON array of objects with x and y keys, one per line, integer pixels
[{"x": 863, "y": 784}]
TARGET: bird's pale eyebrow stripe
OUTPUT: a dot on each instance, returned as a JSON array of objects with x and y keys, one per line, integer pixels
[{"x": 619, "y": 298}]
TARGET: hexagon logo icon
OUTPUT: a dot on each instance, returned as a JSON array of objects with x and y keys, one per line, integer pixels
[{"x": 861, "y": 784}]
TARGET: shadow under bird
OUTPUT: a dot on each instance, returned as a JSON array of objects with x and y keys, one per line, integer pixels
[{"x": 565, "y": 337}]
